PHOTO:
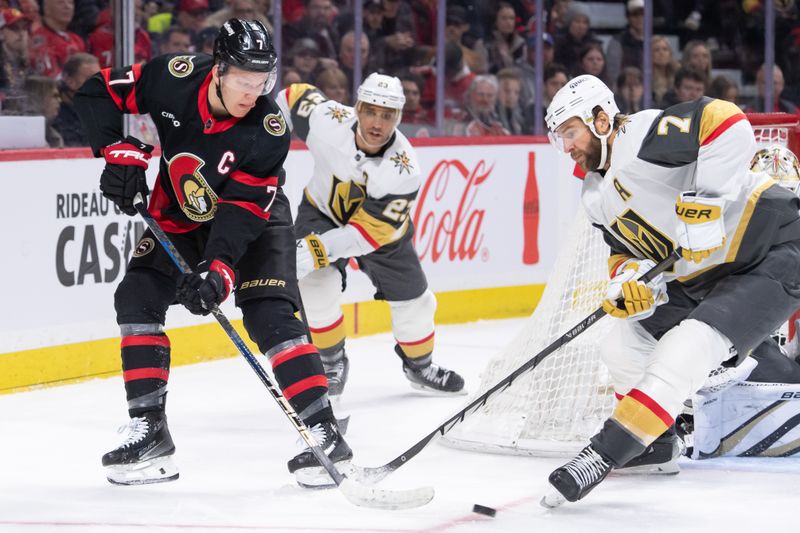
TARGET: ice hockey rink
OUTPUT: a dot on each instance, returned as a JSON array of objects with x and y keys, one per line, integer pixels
[{"x": 233, "y": 443}]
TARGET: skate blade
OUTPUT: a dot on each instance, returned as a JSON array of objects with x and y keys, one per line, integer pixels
[
  {"x": 430, "y": 391},
  {"x": 316, "y": 477},
  {"x": 158, "y": 470},
  {"x": 670, "y": 468},
  {"x": 552, "y": 499}
]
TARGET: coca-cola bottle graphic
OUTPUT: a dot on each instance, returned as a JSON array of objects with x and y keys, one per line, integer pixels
[{"x": 530, "y": 215}]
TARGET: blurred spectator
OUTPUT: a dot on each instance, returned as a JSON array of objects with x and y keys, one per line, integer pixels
[
  {"x": 397, "y": 45},
  {"x": 205, "y": 40},
  {"x": 84, "y": 20},
  {"x": 592, "y": 61},
  {"x": 347, "y": 55},
  {"x": 291, "y": 76},
  {"x": 43, "y": 99},
  {"x": 630, "y": 90},
  {"x": 333, "y": 82},
  {"x": 373, "y": 20},
  {"x": 101, "y": 40},
  {"x": 690, "y": 84},
  {"x": 626, "y": 49},
  {"x": 30, "y": 8},
  {"x": 305, "y": 59},
  {"x": 14, "y": 60},
  {"x": 425, "y": 13},
  {"x": 528, "y": 69},
  {"x": 317, "y": 24},
  {"x": 481, "y": 101},
  {"x": 504, "y": 46},
  {"x": 240, "y": 9},
  {"x": 416, "y": 121},
  {"x": 176, "y": 40},
  {"x": 778, "y": 104},
  {"x": 578, "y": 34},
  {"x": 556, "y": 76},
  {"x": 509, "y": 109},
  {"x": 664, "y": 68},
  {"x": 78, "y": 68},
  {"x": 724, "y": 89},
  {"x": 696, "y": 54},
  {"x": 458, "y": 79},
  {"x": 191, "y": 15},
  {"x": 52, "y": 44},
  {"x": 456, "y": 26},
  {"x": 556, "y": 20}
]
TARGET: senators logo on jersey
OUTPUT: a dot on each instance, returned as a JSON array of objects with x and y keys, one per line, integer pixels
[
  {"x": 181, "y": 66},
  {"x": 196, "y": 199},
  {"x": 346, "y": 198}
]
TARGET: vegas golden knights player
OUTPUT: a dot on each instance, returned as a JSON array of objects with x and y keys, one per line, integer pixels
[{"x": 219, "y": 197}]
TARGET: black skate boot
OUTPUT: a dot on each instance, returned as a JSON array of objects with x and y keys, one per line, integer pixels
[
  {"x": 429, "y": 377},
  {"x": 577, "y": 478},
  {"x": 305, "y": 467},
  {"x": 145, "y": 454},
  {"x": 337, "y": 367},
  {"x": 661, "y": 457}
]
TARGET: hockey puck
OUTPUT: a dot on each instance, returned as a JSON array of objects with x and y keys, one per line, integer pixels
[{"x": 482, "y": 509}]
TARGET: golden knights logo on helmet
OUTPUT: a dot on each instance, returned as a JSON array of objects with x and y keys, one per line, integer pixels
[
  {"x": 780, "y": 164},
  {"x": 197, "y": 200}
]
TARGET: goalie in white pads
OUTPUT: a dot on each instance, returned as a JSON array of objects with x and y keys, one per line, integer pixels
[
  {"x": 357, "y": 205},
  {"x": 755, "y": 412},
  {"x": 656, "y": 181}
]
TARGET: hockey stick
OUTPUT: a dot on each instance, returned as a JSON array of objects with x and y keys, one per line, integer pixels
[
  {"x": 372, "y": 475},
  {"x": 354, "y": 492}
]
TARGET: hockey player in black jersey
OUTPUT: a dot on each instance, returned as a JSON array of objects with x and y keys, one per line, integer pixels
[{"x": 219, "y": 196}]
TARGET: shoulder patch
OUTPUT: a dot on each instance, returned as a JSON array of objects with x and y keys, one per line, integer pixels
[
  {"x": 181, "y": 66},
  {"x": 339, "y": 114},
  {"x": 274, "y": 124},
  {"x": 402, "y": 162}
]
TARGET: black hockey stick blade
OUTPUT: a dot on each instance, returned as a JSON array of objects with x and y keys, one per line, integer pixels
[
  {"x": 371, "y": 475},
  {"x": 354, "y": 492}
]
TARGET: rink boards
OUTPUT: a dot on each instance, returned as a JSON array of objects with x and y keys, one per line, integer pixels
[{"x": 488, "y": 218}]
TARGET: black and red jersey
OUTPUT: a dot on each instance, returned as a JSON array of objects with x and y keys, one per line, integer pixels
[{"x": 225, "y": 173}]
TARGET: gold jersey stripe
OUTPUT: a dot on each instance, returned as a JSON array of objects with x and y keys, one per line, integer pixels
[
  {"x": 379, "y": 231},
  {"x": 639, "y": 420},
  {"x": 747, "y": 214},
  {"x": 295, "y": 91},
  {"x": 714, "y": 115},
  {"x": 415, "y": 350},
  {"x": 330, "y": 336}
]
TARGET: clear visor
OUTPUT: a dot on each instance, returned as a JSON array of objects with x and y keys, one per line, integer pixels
[
  {"x": 251, "y": 83},
  {"x": 564, "y": 134}
]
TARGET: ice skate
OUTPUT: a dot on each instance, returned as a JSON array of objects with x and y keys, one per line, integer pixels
[
  {"x": 145, "y": 455},
  {"x": 337, "y": 368},
  {"x": 577, "y": 478},
  {"x": 306, "y": 468},
  {"x": 431, "y": 377},
  {"x": 661, "y": 457}
]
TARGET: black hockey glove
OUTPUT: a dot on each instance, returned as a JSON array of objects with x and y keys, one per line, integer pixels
[
  {"x": 124, "y": 175},
  {"x": 209, "y": 285}
]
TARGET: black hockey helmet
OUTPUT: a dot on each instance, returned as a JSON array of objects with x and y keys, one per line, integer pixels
[{"x": 245, "y": 44}]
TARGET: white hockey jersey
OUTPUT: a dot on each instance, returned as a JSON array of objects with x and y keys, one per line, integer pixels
[
  {"x": 703, "y": 146},
  {"x": 369, "y": 194}
]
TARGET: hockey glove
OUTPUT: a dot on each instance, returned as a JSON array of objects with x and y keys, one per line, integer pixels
[
  {"x": 124, "y": 175},
  {"x": 628, "y": 298},
  {"x": 701, "y": 230},
  {"x": 201, "y": 290},
  {"x": 311, "y": 255}
]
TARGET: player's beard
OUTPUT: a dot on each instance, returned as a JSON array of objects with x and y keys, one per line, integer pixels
[{"x": 591, "y": 157}]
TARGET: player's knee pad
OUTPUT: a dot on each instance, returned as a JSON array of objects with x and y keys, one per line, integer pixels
[
  {"x": 270, "y": 322},
  {"x": 322, "y": 297},
  {"x": 681, "y": 362},
  {"x": 625, "y": 351},
  {"x": 412, "y": 319},
  {"x": 143, "y": 296}
]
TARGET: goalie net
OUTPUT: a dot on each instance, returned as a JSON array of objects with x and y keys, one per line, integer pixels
[{"x": 554, "y": 409}]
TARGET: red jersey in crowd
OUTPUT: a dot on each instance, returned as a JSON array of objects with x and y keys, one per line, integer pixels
[
  {"x": 50, "y": 50},
  {"x": 101, "y": 42}
]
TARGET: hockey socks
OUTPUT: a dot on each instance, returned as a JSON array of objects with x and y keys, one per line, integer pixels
[
  {"x": 145, "y": 367},
  {"x": 299, "y": 372}
]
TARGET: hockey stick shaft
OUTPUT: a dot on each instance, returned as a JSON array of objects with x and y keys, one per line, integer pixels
[
  {"x": 375, "y": 474},
  {"x": 353, "y": 492}
]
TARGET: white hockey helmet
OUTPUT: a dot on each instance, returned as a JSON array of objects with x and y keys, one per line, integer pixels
[
  {"x": 382, "y": 90},
  {"x": 579, "y": 98},
  {"x": 780, "y": 163}
]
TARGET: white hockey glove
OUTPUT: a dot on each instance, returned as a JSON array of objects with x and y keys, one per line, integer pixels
[
  {"x": 628, "y": 298},
  {"x": 311, "y": 255},
  {"x": 701, "y": 230}
]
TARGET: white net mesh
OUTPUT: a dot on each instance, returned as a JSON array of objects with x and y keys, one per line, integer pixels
[{"x": 555, "y": 408}]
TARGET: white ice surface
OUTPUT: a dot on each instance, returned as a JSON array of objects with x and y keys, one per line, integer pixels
[{"x": 233, "y": 443}]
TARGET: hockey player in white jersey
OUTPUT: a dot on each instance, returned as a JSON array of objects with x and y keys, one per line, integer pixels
[
  {"x": 656, "y": 181},
  {"x": 752, "y": 410},
  {"x": 357, "y": 205}
]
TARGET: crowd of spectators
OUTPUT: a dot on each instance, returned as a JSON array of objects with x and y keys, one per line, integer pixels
[{"x": 700, "y": 47}]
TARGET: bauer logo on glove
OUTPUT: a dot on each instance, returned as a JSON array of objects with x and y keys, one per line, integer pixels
[{"x": 701, "y": 230}]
